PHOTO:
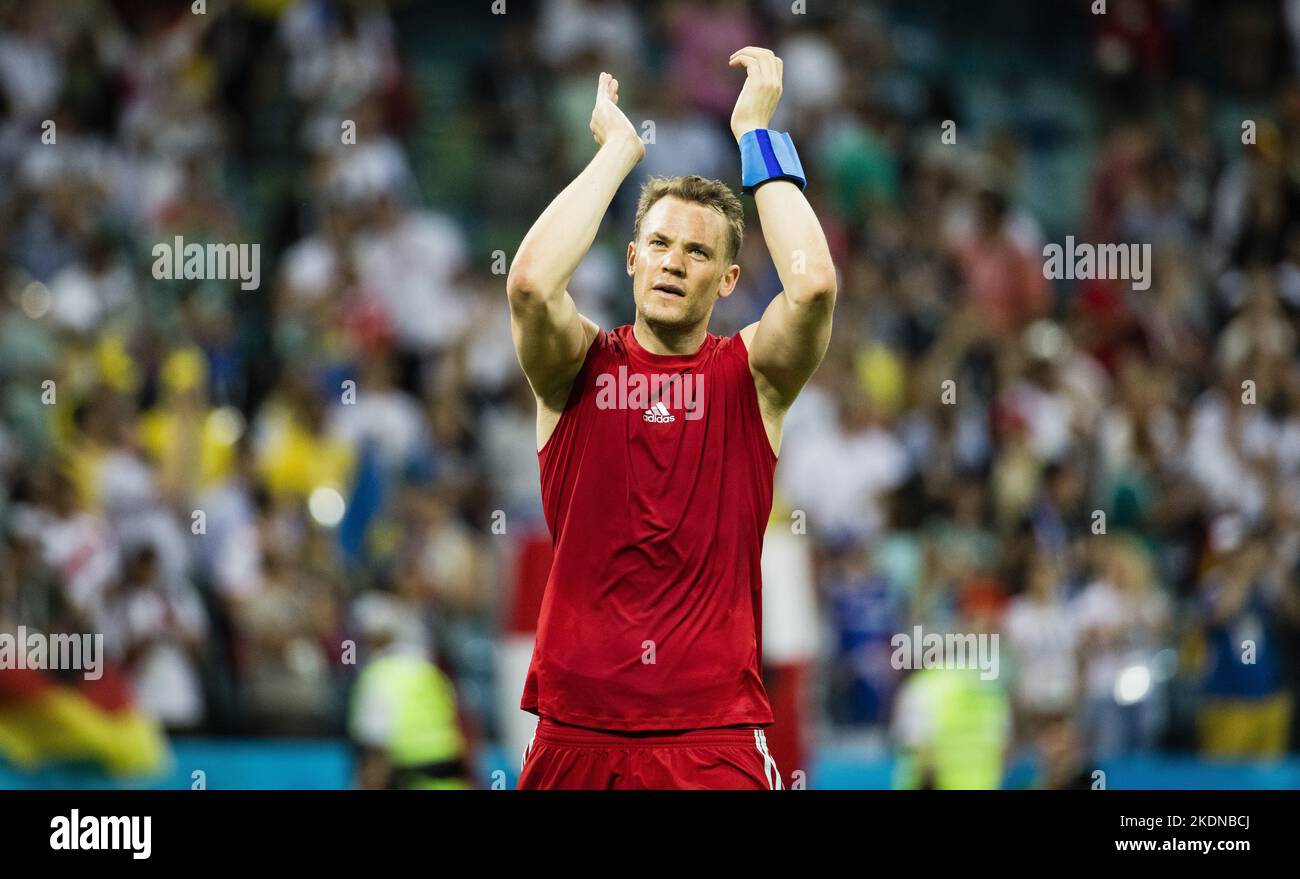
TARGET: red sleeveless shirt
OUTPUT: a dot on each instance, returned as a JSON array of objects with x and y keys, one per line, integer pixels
[{"x": 657, "y": 487}]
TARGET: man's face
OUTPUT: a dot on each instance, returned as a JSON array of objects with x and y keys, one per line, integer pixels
[{"x": 679, "y": 264}]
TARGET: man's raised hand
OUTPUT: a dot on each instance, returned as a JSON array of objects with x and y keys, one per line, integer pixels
[
  {"x": 761, "y": 92},
  {"x": 608, "y": 123}
]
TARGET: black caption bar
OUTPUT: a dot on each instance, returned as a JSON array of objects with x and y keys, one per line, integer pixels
[{"x": 301, "y": 828}]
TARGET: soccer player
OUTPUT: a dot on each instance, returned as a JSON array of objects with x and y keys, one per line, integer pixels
[{"x": 657, "y": 444}]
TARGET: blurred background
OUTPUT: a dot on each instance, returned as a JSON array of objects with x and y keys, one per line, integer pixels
[{"x": 306, "y": 517}]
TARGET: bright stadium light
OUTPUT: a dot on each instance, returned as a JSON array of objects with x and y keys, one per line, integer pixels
[
  {"x": 326, "y": 506},
  {"x": 1133, "y": 684}
]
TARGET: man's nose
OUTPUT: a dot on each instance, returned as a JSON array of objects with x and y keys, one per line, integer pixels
[{"x": 674, "y": 263}]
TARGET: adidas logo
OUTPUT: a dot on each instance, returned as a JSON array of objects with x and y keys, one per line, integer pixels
[
  {"x": 658, "y": 414},
  {"x": 634, "y": 391}
]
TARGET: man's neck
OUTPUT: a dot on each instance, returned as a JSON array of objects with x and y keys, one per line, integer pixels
[{"x": 658, "y": 339}]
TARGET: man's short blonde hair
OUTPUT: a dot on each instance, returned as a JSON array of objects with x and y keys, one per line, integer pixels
[{"x": 711, "y": 193}]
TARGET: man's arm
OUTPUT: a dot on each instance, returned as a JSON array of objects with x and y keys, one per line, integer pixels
[
  {"x": 788, "y": 343},
  {"x": 551, "y": 337}
]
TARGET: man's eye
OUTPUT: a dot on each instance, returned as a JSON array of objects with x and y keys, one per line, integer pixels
[
  {"x": 698, "y": 250},
  {"x": 656, "y": 241}
]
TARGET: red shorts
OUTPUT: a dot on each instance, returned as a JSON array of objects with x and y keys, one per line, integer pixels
[{"x": 562, "y": 757}]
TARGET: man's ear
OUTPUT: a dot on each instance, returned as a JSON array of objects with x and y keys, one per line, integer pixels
[
  {"x": 631, "y": 258},
  {"x": 729, "y": 279}
]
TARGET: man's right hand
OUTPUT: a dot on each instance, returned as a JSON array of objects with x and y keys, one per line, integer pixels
[
  {"x": 608, "y": 122},
  {"x": 551, "y": 337}
]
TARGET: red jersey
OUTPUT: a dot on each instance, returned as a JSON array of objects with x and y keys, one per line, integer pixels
[{"x": 657, "y": 487}]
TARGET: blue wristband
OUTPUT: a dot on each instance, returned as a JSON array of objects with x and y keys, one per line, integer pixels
[{"x": 768, "y": 155}]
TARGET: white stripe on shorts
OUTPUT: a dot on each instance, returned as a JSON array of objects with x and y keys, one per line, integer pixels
[
  {"x": 769, "y": 765},
  {"x": 527, "y": 748}
]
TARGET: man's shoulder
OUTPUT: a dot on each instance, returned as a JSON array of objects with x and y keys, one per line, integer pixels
[
  {"x": 745, "y": 336},
  {"x": 730, "y": 348}
]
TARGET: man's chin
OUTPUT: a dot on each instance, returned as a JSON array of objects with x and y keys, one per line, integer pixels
[{"x": 667, "y": 314}]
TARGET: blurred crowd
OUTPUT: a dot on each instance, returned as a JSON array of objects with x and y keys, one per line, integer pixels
[{"x": 238, "y": 487}]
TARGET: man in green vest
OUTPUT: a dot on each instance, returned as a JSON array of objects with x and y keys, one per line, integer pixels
[
  {"x": 402, "y": 715},
  {"x": 953, "y": 731},
  {"x": 952, "y": 719}
]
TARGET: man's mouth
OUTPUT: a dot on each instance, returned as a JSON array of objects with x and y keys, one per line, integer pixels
[{"x": 669, "y": 289}]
